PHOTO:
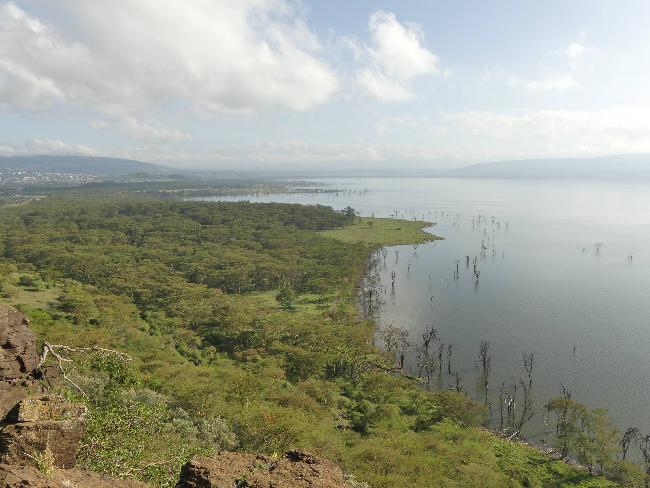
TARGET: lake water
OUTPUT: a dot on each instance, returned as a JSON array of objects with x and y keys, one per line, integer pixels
[{"x": 545, "y": 287}]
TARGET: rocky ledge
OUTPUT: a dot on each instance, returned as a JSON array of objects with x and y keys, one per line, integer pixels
[{"x": 296, "y": 469}]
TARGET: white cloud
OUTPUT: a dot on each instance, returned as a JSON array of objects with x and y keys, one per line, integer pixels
[
  {"x": 99, "y": 124},
  {"x": 558, "y": 82},
  {"x": 494, "y": 135},
  {"x": 396, "y": 55},
  {"x": 398, "y": 49},
  {"x": 552, "y": 82},
  {"x": 125, "y": 55},
  {"x": 574, "y": 50},
  {"x": 46, "y": 146},
  {"x": 143, "y": 131},
  {"x": 382, "y": 88}
]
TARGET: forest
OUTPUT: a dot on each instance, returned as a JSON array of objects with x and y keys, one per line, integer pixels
[{"x": 240, "y": 330}]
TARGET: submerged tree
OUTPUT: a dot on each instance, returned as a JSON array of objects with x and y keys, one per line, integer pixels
[
  {"x": 396, "y": 342},
  {"x": 630, "y": 436},
  {"x": 486, "y": 365},
  {"x": 458, "y": 383},
  {"x": 529, "y": 364},
  {"x": 441, "y": 352},
  {"x": 428, "y": 336},
  {"x": 527, "y": 410},
  {"x": 450, "y": 349}
]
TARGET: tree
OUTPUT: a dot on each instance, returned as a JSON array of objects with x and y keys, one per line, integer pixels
[
  {"x": 396, "y": 342},
  {"x": 644, "y": 447},
  {"x": 428, "y": 336},
  {"x": 630, "y": 436},
  {"x": 602, "y": 436},
  {"x": 286, "y": 297},
  {"x": 486, "y": 364},
  {"x": 589, "y": 434},
  {"x": 529, "y": 364}
]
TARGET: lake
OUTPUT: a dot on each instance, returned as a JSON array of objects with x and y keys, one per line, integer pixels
[{"x": 564, "y": 274}]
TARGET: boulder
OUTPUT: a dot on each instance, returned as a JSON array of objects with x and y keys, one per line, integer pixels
[
  {"x": 39, "y": 424},
  {"x": 18, "y": 356},
  {"x": 27, "y": 476},
  {"x": 296, "y": 469}
]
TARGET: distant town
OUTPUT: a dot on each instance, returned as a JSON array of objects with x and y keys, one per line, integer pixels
[{"x": 27, "y": 177}]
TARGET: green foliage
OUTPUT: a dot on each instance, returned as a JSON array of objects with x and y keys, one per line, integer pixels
[
  {"x": 135, "y": 433},
  {"x": 286, "y": 296},
  {"x": 372, "y": 230},
  {"x": 226, "y": 355},
  {"x": 588, "y": 434},
  {"x": 29, "y": 281}
]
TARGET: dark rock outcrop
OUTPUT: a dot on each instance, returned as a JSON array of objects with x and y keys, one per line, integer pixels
[
  {"x": 27, "y": 476},
  {"x": 296, "y": 469},
  {"x": 18, "y": 356},
  {"x": 32, "y": 424},
  {"x": 43, "y": 423}
]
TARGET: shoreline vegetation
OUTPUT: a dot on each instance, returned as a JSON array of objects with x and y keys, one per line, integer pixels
[
  {"x": 242, "y": 328},
  {"x": 384, "y": 232}
]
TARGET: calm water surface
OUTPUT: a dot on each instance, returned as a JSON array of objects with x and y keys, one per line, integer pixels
[{"x": 544, "y": 287}]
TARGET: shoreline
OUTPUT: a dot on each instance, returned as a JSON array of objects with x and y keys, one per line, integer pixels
[{"x": 544, "y": 449}]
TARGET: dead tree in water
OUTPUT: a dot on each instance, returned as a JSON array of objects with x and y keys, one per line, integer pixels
[
  {"x": 511, "y": 404},
  {"x": 486, "y": 364},
  {"x": 630, "y": 436},
  {"x": 402, "y": 346},
  {"x": 388, "y": 336},
  {"x": 370, "y": 293},
  {"x": 529, "y": 364},
  {"x": 527, "y": 407},
  {"x": 395, "y": 340},
  {"x": 508, "y": 400},
  {"x": 441, "y": 352},
  {"x": 502, "y": 399},
  {"x": 429, "y": 335},
  {"x": 450, "y": 349},
  {"x": 459, "y": 383}
]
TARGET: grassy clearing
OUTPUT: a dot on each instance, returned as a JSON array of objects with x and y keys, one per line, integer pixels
[
  {"x": 31, "y": 297},
  {"x": 387, "y": 232}
]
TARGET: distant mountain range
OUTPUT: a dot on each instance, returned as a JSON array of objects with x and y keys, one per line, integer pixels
[
  {"x": 80, "y": 165},
  {"x": 630, "y": 166}
]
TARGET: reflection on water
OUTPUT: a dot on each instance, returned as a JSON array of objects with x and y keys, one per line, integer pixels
[{"x": 560, "y": 270}]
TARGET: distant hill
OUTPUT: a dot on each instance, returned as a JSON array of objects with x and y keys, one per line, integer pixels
[
  {"x": 632, "y": 166},
  {"x": 80, "y": 164}
]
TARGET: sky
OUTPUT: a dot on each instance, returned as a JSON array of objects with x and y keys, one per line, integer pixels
[{"x": 323, "y": 85}]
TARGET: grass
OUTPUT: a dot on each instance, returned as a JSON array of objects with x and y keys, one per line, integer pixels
[
  {"x": 387, "y": 232},
  {"x": 29, "y": 298}
]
